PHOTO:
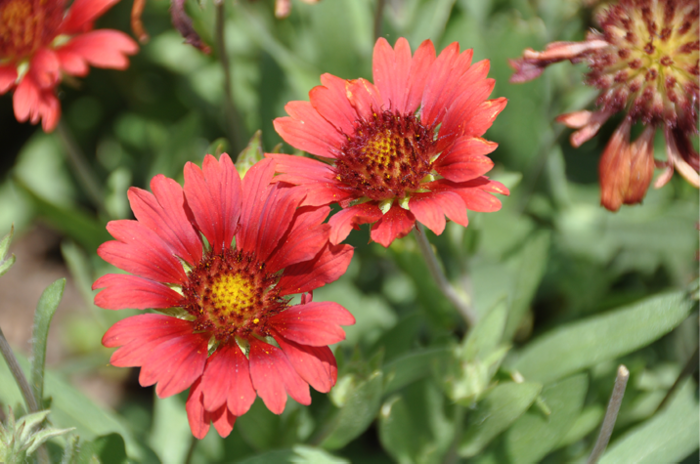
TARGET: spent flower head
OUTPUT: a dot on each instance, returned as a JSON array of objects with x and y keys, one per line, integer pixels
[
  {"x": 407, "y": 148},
  {"x": 220, "y": 260},
  {"x": 41, "y": 40},
  {"x": 645, "y": 61}
]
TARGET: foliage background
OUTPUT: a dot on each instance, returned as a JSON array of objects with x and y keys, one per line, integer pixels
[{"x": 546, "y": 274}]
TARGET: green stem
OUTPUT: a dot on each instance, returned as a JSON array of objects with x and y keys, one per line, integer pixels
[
  {"x": 443, "y": 284},
  {"x": 84, "y": 172},
  {"x": 17, "y": 373},
  {"x": 690, "y": 367},
  {"x": 232, "y": 119},
  {"x": 378, "y": 16},
  {"x": 610, "y": 418},
  {"x": 190, "y": 450}
]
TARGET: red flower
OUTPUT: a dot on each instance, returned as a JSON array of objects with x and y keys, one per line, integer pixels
[
  {"x": 39, "y": 41},
  {"x": 404, "y": 149},
  {"x": 645, "y": 62},
  {"x": 235, "y": 333}
]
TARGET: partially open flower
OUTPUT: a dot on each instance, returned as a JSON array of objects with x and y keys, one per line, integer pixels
[
  {"x": 40, "y": 41},
  {"x": 646, "y": 63},
  {"x": 220, "y": 259}
]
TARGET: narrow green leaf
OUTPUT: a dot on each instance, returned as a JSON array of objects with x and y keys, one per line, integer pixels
[
  {"x": 170, "y": 432},
  {"x": 669, "y": 436},
  {"x": 533, "y": 435},
  {"x": 42, "y": 436},
  {"x": 396, "y": 431},
  {"x": 580, "y": 345},
  {"x": 533, "y": 261},
  {"x": 6, "y": 264},
  {"x": 411, "y": 367},
  {"x": 300, "y": 454},
  {"x": 494, "y": 414},
  {"x": 487, "y": 334},
  {"x": 45, "y": 309},
  {"x": 588, "y": 421},
  {"x": 251, "y": 154},
  {"x": 359, "y": 410}
]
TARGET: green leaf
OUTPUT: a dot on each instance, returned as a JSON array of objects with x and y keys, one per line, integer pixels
[
  {"x": 580, "y": 345},
  {"x": 487, "y": 334},
  {"x": 533, "y": 261},
  {"x": 107, "y": 449},
  {"x": 250, "y": 154},
  {"x": 588, "y": 421},
  {"x": 396, "y": 431},
  {"x": 170, "y": 433},
  {"x": 359, "y": 410},
  {"x": 494, "y": 413},
  {"x": 259, "y": 427},
  {"x": 533, "y": 435},
  {"x": 45, "y": 309},
  {"x": 669, "y": 436},
  {"x": 300, "y": 454},
  {"x": 411, "y": 367}
]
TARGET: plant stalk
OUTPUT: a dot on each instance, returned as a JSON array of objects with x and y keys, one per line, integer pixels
[
  {"x": 17, "y": 373},
  {"x": 690, "y": 367},
  {"x": 606, "y": 429},
  {"x": 443, "y": 284},
  {"x": 378, "y": 17},
  {"x": 232, "y": 119}
]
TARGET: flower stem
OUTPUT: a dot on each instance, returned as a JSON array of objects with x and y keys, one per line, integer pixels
[
  {"x": 232, "y": 119},
  {"x": 434, "y": 267},
  {"x": 378, "y": 16},
  {"x": 690, "y": 367},
  {"x": 86, "y": 176},
  {"x": 606, "y": 429},
  {"x": 17, "y": 373}
]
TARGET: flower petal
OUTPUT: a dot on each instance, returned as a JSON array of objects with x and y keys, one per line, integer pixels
[
  {"x": 8, "y": 77},
  {"x": 390, "y": 70},
  {"x": 313, "y": 324},
  {"x": 214, "y": 196},
  {"x": 350, "y": 218},
  {"x": 305, "y": 129},
  {"x": 316, "y": 365},
  {"x": 226, "y": 380},
  {"x": 223, "y": 421},
  {"x": 365, "y": 98},
  {"x": 140, "y": 251},
  {"x": 464, "y": 160},
  {"x": 444, "y": 83},
  {"x": 396, "y": 223},
  {"x": 305, "y": 238},
  {"x": 331, "y": 102},
  {"x": 123, "y": 291},
  {"x": 164, "y": 212},
  {"x": 430, "y": 209},
  {"x": 104, "y": 48},
  {"x": 82, "y": 13},
  {"x": 326, "y": 267},
  {"x": 136, "y": 335},
  {"x": 197, "y": 416},
  {"x": 273, "y": 377}
]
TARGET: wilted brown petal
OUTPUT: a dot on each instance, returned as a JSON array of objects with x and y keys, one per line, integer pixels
[
  {"x": 641, "y": 166},
  {"x": 183, "y": 24},
  {"x": 614, "y": 168},
  {"x": 533, "y": 63},
  {"x": 680, "y": 152}
]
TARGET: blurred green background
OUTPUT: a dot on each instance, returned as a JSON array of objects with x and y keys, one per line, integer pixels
[{"x": 565, "y": 290}]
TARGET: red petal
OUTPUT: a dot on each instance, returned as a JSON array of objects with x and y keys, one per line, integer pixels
[
  {"x": 26, "y": 98},
  {"x": 49, "y": 110},
  {"x": 273, "y": 377},
  {"x": 123, "y": 291},
  {"x": 396, "y": 223},
  {"x": 478, "y": 200},
  {"x": 306, "y": 130},
  {"x": 390, "y": 70},
  {"x": 44, "y": 68},
  {"x": 350, "y": 218},
  {"x": 304, "y": 240},
  {"x": 164, "y": 212},
  {"x": 104, "y": 48},
  {"x": 365, "y": 98},
  {"x": 313, "y": 324},
  {"x": 483, "y": 116},
  {"x": 140, "y": 251},
  {"x": 614, "y": 167},
  {"x": 8, "y": 76},
  {"x": 137, "y": 335},
  {"x": 71, "y": 62},
  {"x": 326, "y": 267},
  {"x": 464, "y": 159},
  {"x": 316, "y": 365},
  {"x": 430, "y": 209},
  {"x": 197, "y": 416},
  {"x": 223, "y": 421},
  {"x": 457, "y": 119},
  {"x": 331, "y": 102},
  {"x": 82, "y": 13},
  {"x": 423, "y": 60},
  {"x": 317, "y": 178},
  {"x": 443, "y": 85},
  {"x": 175, "y": 364},
  {"x": 226, "y": 380},
  {"x": 214, "y": 195},
  {"x": 267, "y": 210}
]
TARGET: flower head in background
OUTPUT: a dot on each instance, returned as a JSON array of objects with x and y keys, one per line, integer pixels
[
  {"x": 40, "y": 41},
  {"x": 284, "y": 7},
  {"x": 221, "y": 259},
  {"x": 646, "y": 63},
  {"x": 407, "y": 148}
]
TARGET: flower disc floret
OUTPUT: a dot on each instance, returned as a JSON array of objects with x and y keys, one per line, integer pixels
[{"x": 221, "y": 259}]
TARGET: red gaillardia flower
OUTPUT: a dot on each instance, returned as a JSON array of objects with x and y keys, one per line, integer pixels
[
  {"x": 645, "y": 62},
  {"x": 221, "y": 258},
  {"x": 404, "y": 149},
  {"x": 39, "y": 40}
]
